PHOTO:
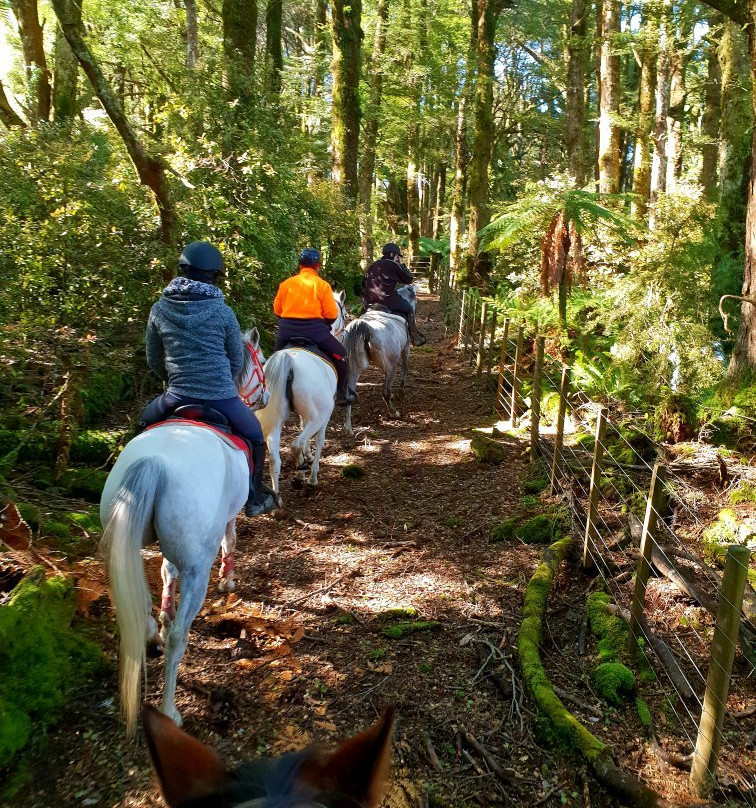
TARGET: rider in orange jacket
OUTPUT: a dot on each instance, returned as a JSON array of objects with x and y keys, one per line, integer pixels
[{"x": 305, "y": 308}]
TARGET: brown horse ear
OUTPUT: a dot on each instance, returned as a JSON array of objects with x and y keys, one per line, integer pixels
[
  {"x": 186, "y": 768},
  {"x": 359, "y": 767}
]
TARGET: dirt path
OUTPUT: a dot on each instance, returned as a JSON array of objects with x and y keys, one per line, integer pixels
[{"x": 301, "y": 652}]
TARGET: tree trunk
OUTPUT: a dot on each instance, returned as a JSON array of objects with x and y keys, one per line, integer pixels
[
  {"x": 192, "y": 37},
  {"x": 646, "y": 103},
  {"x": 413, "y": 197},
  {"x": 485, "y": 13},
  {"x": 32, "y": 44},
  {"x": 735, "y": 135},
  {"x": 659, "y": 161},
  {"x": 575, "y": 107},
  {"x": 273, "y": 48},
  {"x": 150, "y": 169},
  {"x": 66, "y": 74},
  {"x": 711, "y": 116},
  {"x": 457, "y": 215},
  {"x": 439, "y": 206},
  {"x": 8, "y": 115},
  {"x": 345, "y": 71},
  {"x": 676, "y": 113},
  {"x": 370, "y": 135},
  {"x": 239, "y": 40},
  {"x": 609, "y": 140}
]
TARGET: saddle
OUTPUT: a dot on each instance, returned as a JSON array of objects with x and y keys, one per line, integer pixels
[
  {"x": 304, "y": 344},
  {"x": 379, "y": 307},
  {"x": 209, "y": 418}
]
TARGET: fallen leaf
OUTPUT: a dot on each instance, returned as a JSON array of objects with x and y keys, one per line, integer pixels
[
  {"x": 14, "y": 531},
  {"x": 326, "y": 725}
]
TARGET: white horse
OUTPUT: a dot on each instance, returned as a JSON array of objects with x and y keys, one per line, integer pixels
[
  {"x": 303, "y": 383},
  {"x": 183, "y": 485},
  {"x": 381, "y": 339}
]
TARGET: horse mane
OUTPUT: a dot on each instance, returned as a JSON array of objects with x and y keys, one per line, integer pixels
[
  {"x": 409, "y": 293},
  {"x": 247, "y": 358}
]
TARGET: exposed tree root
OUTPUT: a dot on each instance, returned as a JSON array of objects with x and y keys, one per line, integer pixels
[{"x": 595, "y": 751}]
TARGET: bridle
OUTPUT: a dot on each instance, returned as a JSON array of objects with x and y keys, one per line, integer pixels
[
  {"x": 342, "y": 319},
  {"x": 254, "y": 388}
]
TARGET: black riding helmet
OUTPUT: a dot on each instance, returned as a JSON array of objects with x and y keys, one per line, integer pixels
[
  {"x": 201, "y": 261},
  {"x": 392, "y": 249}
]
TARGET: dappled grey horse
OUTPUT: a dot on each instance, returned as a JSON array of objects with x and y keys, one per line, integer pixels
[{"x": 381, "y": 339}]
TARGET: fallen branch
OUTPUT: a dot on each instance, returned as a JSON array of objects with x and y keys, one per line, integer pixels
[
  {"x": 505, "y": 775},
  {"x": 431, "y": 752},
  {"x": 662, "y": 651},
  {"x": 595, "y": 751},
  {"x": 320, "y": 591}
]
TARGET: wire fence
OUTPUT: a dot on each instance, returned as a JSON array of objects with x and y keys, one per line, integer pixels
[{"x": 602, "y": 490}]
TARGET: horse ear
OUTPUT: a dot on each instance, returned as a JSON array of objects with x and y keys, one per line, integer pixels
[
  {"x": 254, "y": 337},
  {"x": 186, "y": 768},
  {"x": 342, "y": 296},
  {"x": 359, "y": 767}
]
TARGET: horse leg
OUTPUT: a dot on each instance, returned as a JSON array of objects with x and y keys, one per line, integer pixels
[
  {"x": 319, "y": 442},
  {"x": 274, "y": 459},
  {"x": 169, "y": 574},
  {"x": 388, "y": 383},
  {"x": 226, "y": 582},
  {"x": 354, "y": 377},
  {"x": 405, "y": 370},
  {"x": 193, "y": 590}
]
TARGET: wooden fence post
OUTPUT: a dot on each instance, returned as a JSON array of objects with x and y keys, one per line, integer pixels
[
  {"x": 591, "y": 531},
  {"x": 718, "y": 681},
  {"x": 481, "y": 338},
  {"x": 503, "y": 353},
  {"x": 514, "y": 407},
  {"x": 556, "y": 460},
  {"x": 462, "y": 318},
  {"x": 492, "y": 337},
  {"x": 535, "y": 399},
  {"x": 654, "y": 507}
]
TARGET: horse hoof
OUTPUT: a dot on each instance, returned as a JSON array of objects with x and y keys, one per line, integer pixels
[
  {"x": 226, "y": 585},
  {"x": 174, "y": 715}
]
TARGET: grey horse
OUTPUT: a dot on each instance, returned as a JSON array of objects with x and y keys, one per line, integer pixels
[{"x": 382, "y": 339}]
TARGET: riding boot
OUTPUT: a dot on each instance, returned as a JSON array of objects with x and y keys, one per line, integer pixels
[
  {"x": 416, "y": 336},
  {"x": 261, "y": 499},
  {"x": 344, "y": 396}
]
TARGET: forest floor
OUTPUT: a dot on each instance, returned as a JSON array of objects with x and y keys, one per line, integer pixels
[{"x": 304, "y": 652}]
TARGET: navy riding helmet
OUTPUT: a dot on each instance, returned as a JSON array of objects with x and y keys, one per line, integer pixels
[
  {"x": 392, "y": 249},
  {"x": 200, "y": 260},
  {"x": 309, "y": 257}
]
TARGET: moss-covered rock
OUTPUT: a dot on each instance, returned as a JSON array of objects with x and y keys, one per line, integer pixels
[
  {"x": 504, "y": 531},
  {"x": 88, "y": 521},
  {"x": 535, "y": 479},
  {"x": 613, "y": 681},
  {"x": 611, "y": 632},
  {"x": 353, "y": 471},
  {"x": 396, "y": 631},
  {"x": 728, "y": 529},
  {"x": 41, "y": 657},
  {"x": 729, "y": 431},
  {"x": 644, "y": 714},
  {"x": 541, "y": 529},
  {"x": 486, "y": 449}
]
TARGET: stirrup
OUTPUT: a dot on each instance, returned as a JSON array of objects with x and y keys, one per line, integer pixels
[{"x": 419, "y": 340}]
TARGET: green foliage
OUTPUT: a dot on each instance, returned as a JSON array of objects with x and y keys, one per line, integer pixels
[
  {"x": 540, "y": 529},
  {"x": 745, "y": 492},
  {"x": 536, "y": 479},
  {"x": 644, "y": 714},
  {"x": 42, "y": 657},
  {"x": 95, "y": 446},
  {"x": 84, "y": 482},
  {"x": 729, "y": 528},
  {"x": 353, "y": 471}
]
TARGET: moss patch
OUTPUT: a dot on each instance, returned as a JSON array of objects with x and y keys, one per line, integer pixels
[
  {"x": 613, "y": 681},
  {"x": 42, "y": 657},
  {"x": 536, "y": 479},
  {"x": 84, "y": 483},
  {"x": 504, "y": 531},
  {"x": 95, "y": 446},
  {"x": 611, "y": 632},
  {"x": 402, "y": 613},
  {"x": 397, "y": 630},
  {"x": 487, "y": 450},
  {"x": 540, "y": 529},
  {"x": 644, "y": 714},
  {"x": 745, "y": 492},
  {"x": 353, "y": 471}
]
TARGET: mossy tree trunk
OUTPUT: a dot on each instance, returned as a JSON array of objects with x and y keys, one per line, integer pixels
[
  {"x": 575, "y": 104},
  {"x": 192, "y": 37},
  {"x": 609, "y": 135},
  {"x": 273, "y": 47},
  {"x": 346, "y": 20},
  {"x": 239, "y": 19},
  {"x": 8, "y": 115},
  {"x": 461, "y": 159},
  {"x": 370, "y": 135},
  {"x": 32, "y": 44},
  {"x": 646, "y": 105},
  {"x": 66, "y": 74},
  {"x": 484, "y": 16},
  {"x": 712, "y": 113}
]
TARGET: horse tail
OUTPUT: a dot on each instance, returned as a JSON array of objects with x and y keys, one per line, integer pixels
[
  {"x": 126, "y": 532},
  {"x": 357, "y": 344},
  {"x": 279, "y": 374}
]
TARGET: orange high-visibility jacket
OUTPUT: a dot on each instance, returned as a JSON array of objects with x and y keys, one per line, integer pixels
[{"x": 305, "y": 296}]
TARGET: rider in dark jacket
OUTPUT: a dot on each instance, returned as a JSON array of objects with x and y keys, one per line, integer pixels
[
  {"x": 194, "y": 343},
  {"x": 381, "y": 279}
]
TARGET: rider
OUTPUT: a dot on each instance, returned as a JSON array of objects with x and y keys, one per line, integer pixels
[
  {"x": 381, "y": 279},
  {"x": 194, "y": 343},
  {"x": 305, "y": 307}
]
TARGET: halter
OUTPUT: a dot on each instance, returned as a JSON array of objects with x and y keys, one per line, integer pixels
[{"x": 254, "y": 387}]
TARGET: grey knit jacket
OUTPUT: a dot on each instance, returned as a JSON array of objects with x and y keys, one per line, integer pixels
[{"x": 194, "y": 341}]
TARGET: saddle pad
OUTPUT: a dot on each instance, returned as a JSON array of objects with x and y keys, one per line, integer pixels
[
  {"x": 316, "y": 354},
  {"x": 234, "y": 441},
  {"x": 376, "y": 314}
]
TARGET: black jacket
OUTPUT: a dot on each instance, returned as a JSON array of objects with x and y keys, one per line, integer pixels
[{"x": 381, "y": 280}]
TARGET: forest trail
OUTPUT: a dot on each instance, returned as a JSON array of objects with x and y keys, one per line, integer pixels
[{"x": 302, "y": 653}]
